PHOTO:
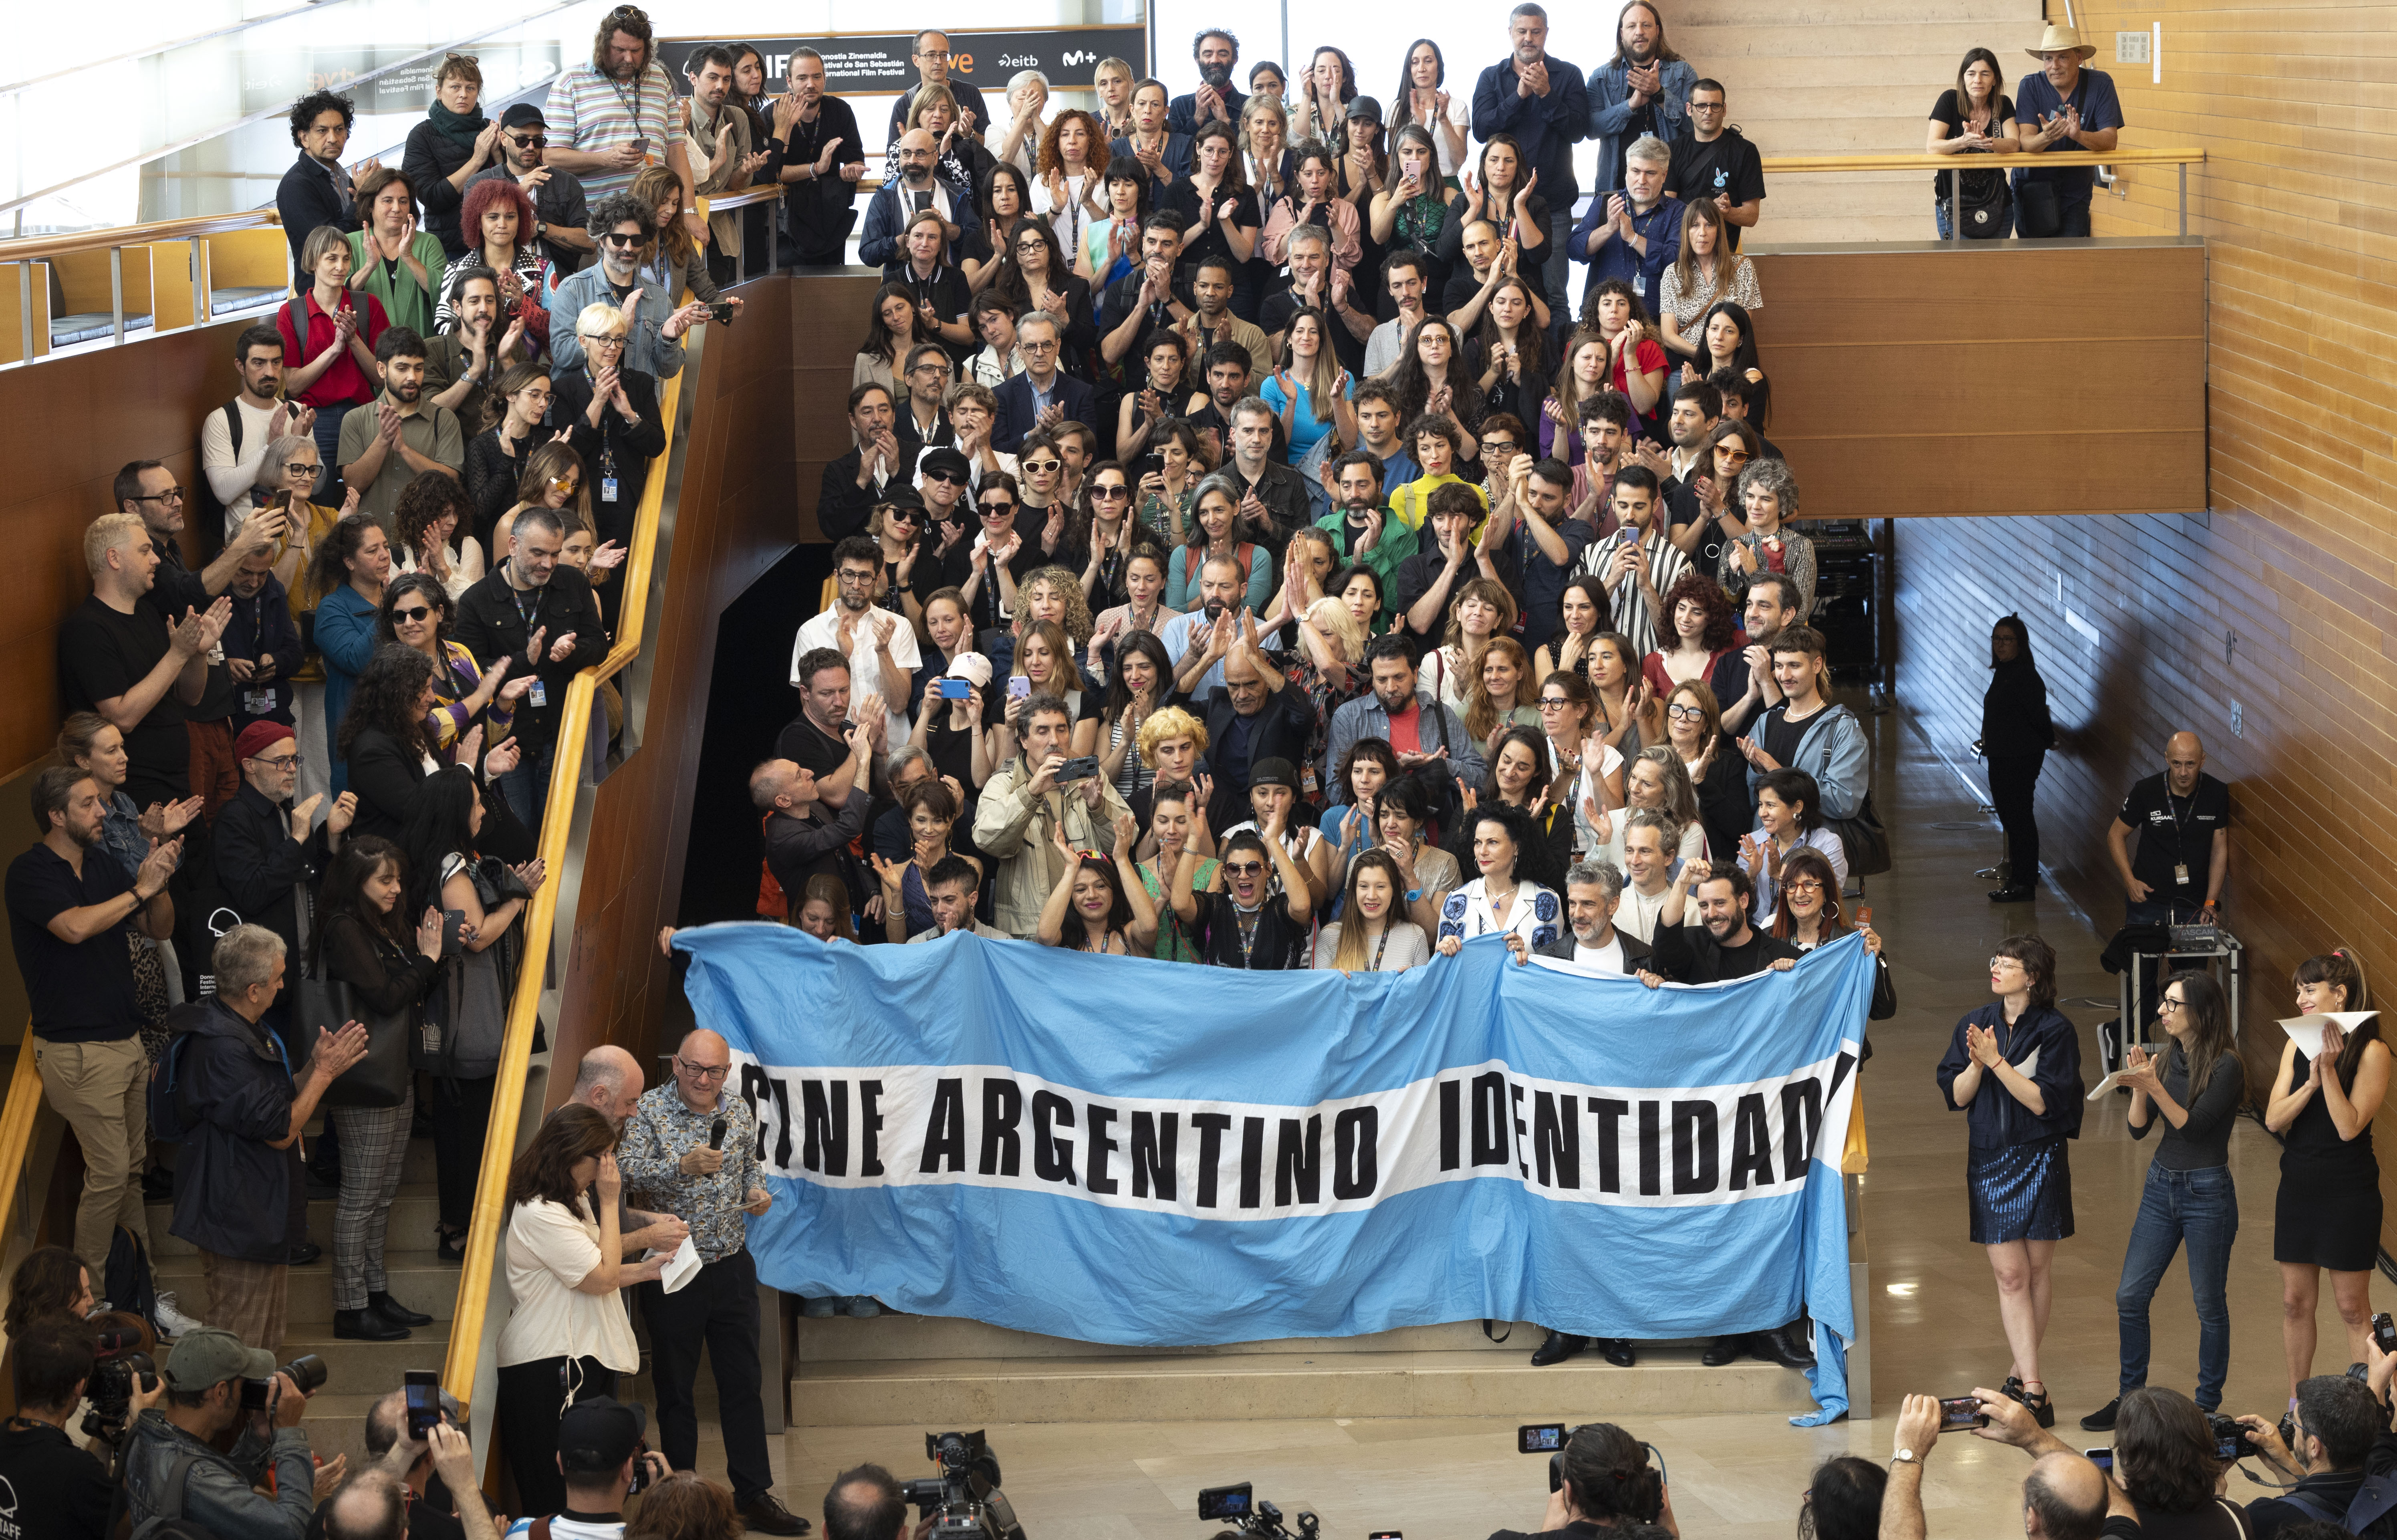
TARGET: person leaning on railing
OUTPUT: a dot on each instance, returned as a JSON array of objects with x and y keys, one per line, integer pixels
[{"x": 566, "y": 1337}]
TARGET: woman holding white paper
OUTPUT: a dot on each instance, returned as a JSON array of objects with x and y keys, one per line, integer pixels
[
  {"x": 2014, "y": 1069},
  {"x": 2327, "y": 1217},
  {"x": 2195, "y": 1088}
]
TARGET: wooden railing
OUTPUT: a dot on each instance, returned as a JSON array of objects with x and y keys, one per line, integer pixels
[{"x": 1786, "y": 166}]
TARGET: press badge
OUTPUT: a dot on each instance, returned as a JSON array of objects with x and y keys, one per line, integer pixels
[
  {"x": 606, "y": 489},
  {"x": 257, "y": 702},
  {"x": 2180, "y": 875},
  {"x": 537, "y": 696}
]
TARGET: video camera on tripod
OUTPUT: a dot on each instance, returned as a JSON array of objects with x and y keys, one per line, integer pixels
[
  {"x": 963, "y": 1501},
  {"x": 1236, "y": 1508}
]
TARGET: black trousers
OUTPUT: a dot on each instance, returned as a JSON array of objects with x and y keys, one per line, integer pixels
[
  {"x": 462, "y": 1112},
  {"x": 532, "y": 1399},
  {"x": 2014, "y": 781},
  {"x": 718, "y": 1309}
]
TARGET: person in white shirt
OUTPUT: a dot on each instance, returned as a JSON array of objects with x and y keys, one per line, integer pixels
[
  {"x": 567, "y": 1323},
  {"x": 1373, "y": 934},
  {"x": 879, "y": 644},
  {"x": 1647, "y": 835},
  {"x": 1505, "y": 898},
  {"x": 230, "y": 463}
]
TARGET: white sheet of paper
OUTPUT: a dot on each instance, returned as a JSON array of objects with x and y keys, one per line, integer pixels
[
  {"x": 2108, "y": 1084},
  {"x": 2306, "y": 1031},
  {"x": 2030, "y": 1065},
  {"x": 680, "y": 1266}
]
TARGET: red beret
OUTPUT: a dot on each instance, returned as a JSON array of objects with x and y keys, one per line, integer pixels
[{"x": 256, "y": 738}]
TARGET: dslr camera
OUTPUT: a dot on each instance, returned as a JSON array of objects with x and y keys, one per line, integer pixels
[
  {"x": 121, "y": 1367},
  {"x": 1236, "y": 1508},
  {"x": 963, "y": 1501},
  {"x": 307, "y": 1371}
]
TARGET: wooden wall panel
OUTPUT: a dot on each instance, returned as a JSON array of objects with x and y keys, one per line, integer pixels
[
  {"x": 732, "y": 522},
  {"x": 825, "y": 333},
  {"x": 1911, "y": 380},
  {"x": 2297, "y": 205}
]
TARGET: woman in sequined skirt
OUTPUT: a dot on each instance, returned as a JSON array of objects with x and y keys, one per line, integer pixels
[{"x": 2014, "y": 1069}]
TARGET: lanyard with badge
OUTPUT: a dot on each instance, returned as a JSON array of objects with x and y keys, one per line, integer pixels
[
  {"x": 607, "y": 454},
  {"x": 537, "y": 695},
  {"x": 259, "y": 699},
  {"x": 2180, "y": 835}
]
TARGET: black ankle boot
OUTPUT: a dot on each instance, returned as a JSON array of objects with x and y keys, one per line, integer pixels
[
  {"x": 392, "y": 1310},
  {"x": 366, "y": 1325}
]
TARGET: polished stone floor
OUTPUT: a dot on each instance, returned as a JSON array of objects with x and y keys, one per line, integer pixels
[{"x": 1935, "y": 1321}]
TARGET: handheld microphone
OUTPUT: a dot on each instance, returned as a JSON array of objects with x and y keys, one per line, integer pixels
[{"x": 715, "y": 1135}]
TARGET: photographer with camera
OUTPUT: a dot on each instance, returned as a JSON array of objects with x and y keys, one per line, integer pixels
[
  {"x": 172, "y": 1470},
  {"x": 2337, "y": 1444},
  {"x": 2065, "y": 1495},
  {"x": 604, "y": 1459},
  {"x": 59, "y": 1491},
  {"x": 1603, "y": 1481}
]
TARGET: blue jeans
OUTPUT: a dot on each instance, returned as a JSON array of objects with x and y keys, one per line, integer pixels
[
  {"x": 2201, "y": 1207},
  {"x": 1948, "y": 228},
  {"x": 527, "y": 786}
]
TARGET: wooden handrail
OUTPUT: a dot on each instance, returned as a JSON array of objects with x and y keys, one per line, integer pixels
[
  {"x": 541, "y": 918},
  {"x": 32, "y": 248},
  {"x": 17, "y": 1116},
  {"x": 1802, "y": 164}
]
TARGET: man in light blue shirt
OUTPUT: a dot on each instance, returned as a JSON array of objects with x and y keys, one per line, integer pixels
[{"x": 623, "y": 228}]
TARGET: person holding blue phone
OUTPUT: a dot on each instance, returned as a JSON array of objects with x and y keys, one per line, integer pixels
[{"x": 2065, "y": 109}]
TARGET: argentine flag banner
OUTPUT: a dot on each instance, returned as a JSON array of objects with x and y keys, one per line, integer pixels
[{"x": 1136, "y": 1152}]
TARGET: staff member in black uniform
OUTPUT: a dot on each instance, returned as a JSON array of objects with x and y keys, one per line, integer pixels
[
  {"x": 2016, "y": 732},
  {"x": 2014, "y": 1068},
  {"x": 2183, "y": 817},
  {"x": 2327, "y": 1215}
]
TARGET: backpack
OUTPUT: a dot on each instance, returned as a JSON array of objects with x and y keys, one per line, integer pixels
[
  {"x": 170, "y": 1523},
  {"x": 2374, "y": 1500},
  {"x": 1861, "y": 835},
  {"x": 167, "y": 1103}
]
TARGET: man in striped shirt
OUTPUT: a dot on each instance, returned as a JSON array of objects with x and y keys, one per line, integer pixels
[{"x": 608, "y": 118}]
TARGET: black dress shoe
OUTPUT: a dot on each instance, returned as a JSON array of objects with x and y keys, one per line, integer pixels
[
  {"x": 1723, "y": 1350},
  {"x": 765, "y": 1515},
  {"x": 1618, "y": 1351},
  {"x": 1785, "y": 1346},
  {"x": 2013, "y": 893},
  {"x": 2102, "y": 1420},
  {"x": 158, "y": 1185},
  {"x": 1560, "y": 1346},
  {"x": 366, "y": 1325},
  {"x": 392, "y": 1310},
  {"x": 451, "y": 1247},
  {"x": 306, "y": 1253}
]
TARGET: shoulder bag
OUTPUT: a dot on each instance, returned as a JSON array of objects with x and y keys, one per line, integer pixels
[
  {"x": 1861, "y": 835},
  {"x": 381, "y": 1079}
]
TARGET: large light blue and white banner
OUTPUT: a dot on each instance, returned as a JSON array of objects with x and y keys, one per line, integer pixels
[{"x": 1137, "y": 1152}]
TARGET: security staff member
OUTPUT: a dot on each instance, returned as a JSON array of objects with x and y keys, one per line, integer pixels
[
  {"x": 2183, "y": 819},
  {"x": 677, "y": 1162}
]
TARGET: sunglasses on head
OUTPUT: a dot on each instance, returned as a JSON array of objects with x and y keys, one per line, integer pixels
[{"x": 413, "y": 614}]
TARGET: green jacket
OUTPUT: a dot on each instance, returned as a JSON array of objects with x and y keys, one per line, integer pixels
[{"x": 1398, "y": 543}]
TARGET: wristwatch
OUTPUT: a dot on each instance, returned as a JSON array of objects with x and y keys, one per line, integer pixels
[
  {"x": 1906, "y": 1456},
  {"x": 1414, "y": 895}
]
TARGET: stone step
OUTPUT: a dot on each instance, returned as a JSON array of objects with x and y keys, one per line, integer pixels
[
  {"x": 410, "y": 1226},
  {"x": 419, "y": 1279},
  {"x": 1242, "y": 1385},
  {"x": 896, "y": 1338}
]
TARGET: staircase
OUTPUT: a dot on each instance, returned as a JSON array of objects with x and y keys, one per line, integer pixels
[
  {"x": 941, "y": 1370},
  {"x": 1830, "y": 77},
  {"x": 359, "y": 1373}
]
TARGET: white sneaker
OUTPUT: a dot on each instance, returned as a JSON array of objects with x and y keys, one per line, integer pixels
[{"x": 171, "y": 1320}]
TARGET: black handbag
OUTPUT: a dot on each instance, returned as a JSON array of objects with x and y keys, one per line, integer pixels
[
  {"x": 382, "y": 1079},
  {"x": 2040, "y": 217},
  {"x": 1983, "y": 203}
]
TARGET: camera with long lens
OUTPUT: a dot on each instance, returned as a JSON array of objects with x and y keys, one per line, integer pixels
[
  {"x": 963, "y": 1501},
  {"x": 120, "y": 1369},
  {"x": 307, "y": 1373},
  {"x": 1239, "y": 1508}
]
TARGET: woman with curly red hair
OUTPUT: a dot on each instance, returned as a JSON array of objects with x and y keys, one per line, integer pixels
[
  {"x": 498, "y": 221},
  {"x": 1703, "y": 630}
]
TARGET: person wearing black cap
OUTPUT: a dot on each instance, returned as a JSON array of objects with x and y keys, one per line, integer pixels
[
  {"x": 598, "y": 1440},
  {"x": 172, "y": 1468},
  {"x": 1274, "y": 789},
  {"x": 558, "y": 200}
]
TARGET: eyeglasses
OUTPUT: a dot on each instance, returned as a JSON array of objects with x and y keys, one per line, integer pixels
[
  {"x": 942, "y": 370},
  {"x": 1737, "y": 457},
  {"x": 2168, "y": 1003},
  {"x": 905, "y": 515},
  {"x": 1026, "y": 344},
  {"x": 562, "y": 484},
  {"x": 947, "y": 478},
  {"x": 941, "y": 54},
  {"x": 1496, "y": 444},
  {"x": 1804, "y": 885},
  {"x": 1554, "y": 702},
  {"x": 412, "y": 614},
  {"x": 1244, "y": 868},
  {"x": 301, "y": 467},
  {"x": 529, "y": 141},
  {"x": 589, "y": 341},
  {"x": 288, "y": 761},
  {"x": 1686, "y": 713},
  {"x": 1998, "y": 963},
  {"x": 617, "y": 238},
  {"x": 1039, "y": 467},
  {"x": 994, "y": 510},
  {"x": 172, "y": 494},
  {"x": 1109, "y": 494},
  {"x": 701, "y": 1072}
]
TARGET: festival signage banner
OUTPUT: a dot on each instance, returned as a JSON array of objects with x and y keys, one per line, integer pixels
[
  {"x": 1137, "y": 1152},
  {"x": 859, "y": 64}
]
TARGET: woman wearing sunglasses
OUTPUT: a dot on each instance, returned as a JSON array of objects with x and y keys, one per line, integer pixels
[
  {"x": 1103, "y": 536},
  {"x": 553, "y": 479}
]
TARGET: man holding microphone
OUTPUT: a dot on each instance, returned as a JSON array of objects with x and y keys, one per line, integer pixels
[{"x": 690, "y": 1150}]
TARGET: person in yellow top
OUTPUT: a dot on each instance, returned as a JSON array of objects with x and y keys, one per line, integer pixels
[{"x": 1438, "y": 443}]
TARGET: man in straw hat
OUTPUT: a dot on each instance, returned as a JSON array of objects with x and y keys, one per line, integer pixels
[{"x": 2066, "y": 108}]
